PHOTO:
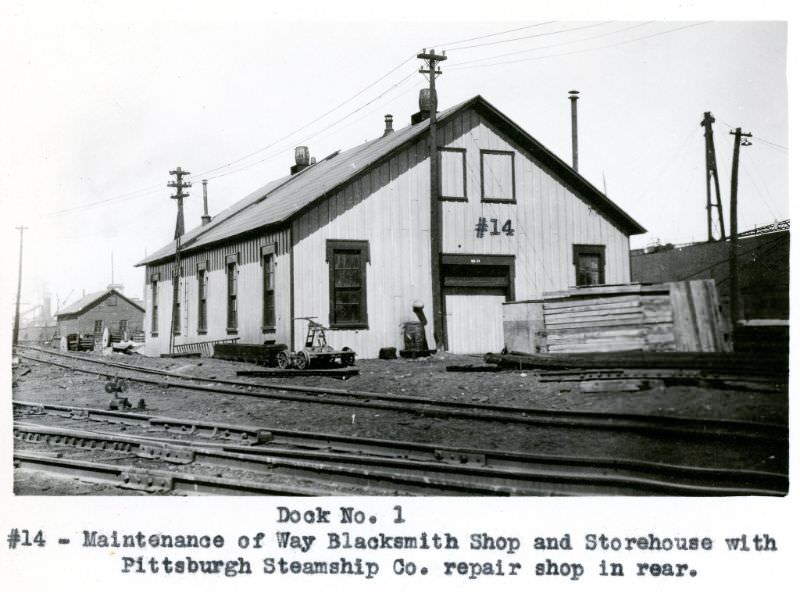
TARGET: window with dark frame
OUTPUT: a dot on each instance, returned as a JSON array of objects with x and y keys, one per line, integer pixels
[
  {"x": 98, "y": 327},
  {"x": 233, "y": 319},
  {"x": 202, "y": 302},
  {"x": 268, "y": 311},
  {"x": 176, "y": 305},
  {"x": 453, "y": 174},
  {"x": 123, "y": 326},
  {"x": 347, "y": 264},
  {"x": 590, "y": 264},
  {"x": 497, "y": 176},
  {"x": 154, "y": 308}
]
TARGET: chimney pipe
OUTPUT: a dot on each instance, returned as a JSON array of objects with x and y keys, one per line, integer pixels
[
  {"x": 573, "y": 97},
  {"x": 205, "y": 218},
  {"x": 302, "y": 159},
  {"x": 388, "y": 119}
]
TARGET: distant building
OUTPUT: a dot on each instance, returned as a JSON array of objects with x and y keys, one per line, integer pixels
[
  {"x": 100, "y": 310},
  {"x": 38, "y": 326},
  {"x": 348, "y": 240},
  {"x": 763, "y": 269}
]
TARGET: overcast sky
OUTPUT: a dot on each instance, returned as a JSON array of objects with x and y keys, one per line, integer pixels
[{"x": 99, "y": 105}]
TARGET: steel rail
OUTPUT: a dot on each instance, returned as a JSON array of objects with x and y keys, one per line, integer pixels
[
  {"x": 649, "y": 424},
  {"x": 250, "y": 435},
  {"x": 442, "y": 478},
  {"x": 507, "y": 467},
  {"x": 152, "y": 481},
  {"x": 339, "y": 469}
]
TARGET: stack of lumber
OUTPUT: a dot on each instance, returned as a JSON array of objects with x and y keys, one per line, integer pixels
[
  {"x": 609, "y": 319},
  {"x": 265, "y": 355}
]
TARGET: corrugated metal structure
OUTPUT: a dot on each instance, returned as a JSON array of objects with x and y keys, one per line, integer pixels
[{"x": 347, "y": 240}]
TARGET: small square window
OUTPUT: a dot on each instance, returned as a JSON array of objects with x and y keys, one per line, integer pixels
[{"x": 590, "y": 264}]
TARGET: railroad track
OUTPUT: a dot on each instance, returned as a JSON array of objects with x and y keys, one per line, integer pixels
[
  {"x": 665, "y": 425},
  {"x": 329, "y": 463}
]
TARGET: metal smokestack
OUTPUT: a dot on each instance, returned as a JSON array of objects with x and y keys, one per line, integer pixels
[
  {"x": 388, "y": 119},
  {"x": 573, "y": 97},
  {"x": 205, "y": 218}
]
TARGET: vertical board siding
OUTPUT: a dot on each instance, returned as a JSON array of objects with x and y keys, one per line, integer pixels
[
  {"x": 388, "y": 206},
  {"x": 249, "y": 294},
  {"x": 475, "y": 323},
  {"x": 547, "y": 218}
]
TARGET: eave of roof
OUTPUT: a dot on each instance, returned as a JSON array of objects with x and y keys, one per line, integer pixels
[
  {"x": 276, "y": 203},
  {"x": 84, "y": 303}
]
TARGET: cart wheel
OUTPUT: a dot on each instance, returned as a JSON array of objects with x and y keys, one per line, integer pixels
[
  {"x": 109, "y": 387},
  {"x": 284, "y": 361},
  {"x": 349, "y": 357},
  {"x": 122, "y": 386},
  {"x": 301, "y": 360}
]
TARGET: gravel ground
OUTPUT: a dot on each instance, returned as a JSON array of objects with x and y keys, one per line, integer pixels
[{"x": 428, "y": 377}]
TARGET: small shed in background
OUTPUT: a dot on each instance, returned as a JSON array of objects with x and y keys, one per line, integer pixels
[{"x": 107, "y": 309}]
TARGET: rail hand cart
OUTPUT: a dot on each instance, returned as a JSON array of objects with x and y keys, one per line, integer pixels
[{"x": 316, "y": 350}]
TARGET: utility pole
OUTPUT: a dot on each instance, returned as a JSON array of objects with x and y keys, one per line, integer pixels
[
  {"x": 733, "y": 259},
  {"x": 179, "y": 184},
  {"x": 431, "y": 60},
  {"x": 19, "y": 287},
  {"x": 711, "y": 171}
]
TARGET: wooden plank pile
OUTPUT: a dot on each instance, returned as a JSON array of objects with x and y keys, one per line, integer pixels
[
  {"x": 675, "y": 316},
  {"x": 607, "y": 319}
]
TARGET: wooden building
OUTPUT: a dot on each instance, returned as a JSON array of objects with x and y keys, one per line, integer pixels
[
  {"x": 107, "y": 309},
  {"x": 347, "y": 239}
]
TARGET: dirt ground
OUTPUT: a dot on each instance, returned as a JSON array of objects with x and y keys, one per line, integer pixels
[{"x": 428, "y": 377}]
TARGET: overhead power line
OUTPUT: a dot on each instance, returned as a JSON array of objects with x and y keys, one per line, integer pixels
[
  {"x": 312, "y": 122},
  {"x": 247, "y": 166},
  {"x": 451, "y": 43},
  {"x": 548, "y": 33},
  {"x": 762, "y": 140},
  {"x": 154, "y": 189},
  {"x": 768, "y": 143},
  {"x": 555, "y": 55},
  {"x": 541, "y": 47}
]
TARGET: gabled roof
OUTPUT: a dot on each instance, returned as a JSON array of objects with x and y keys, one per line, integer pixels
[
  {"x": 88, "y": 301},
  {"x": 277, "y": 202}
]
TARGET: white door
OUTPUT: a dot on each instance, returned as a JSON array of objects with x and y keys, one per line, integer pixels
[{"x": 474, "y": 323}]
